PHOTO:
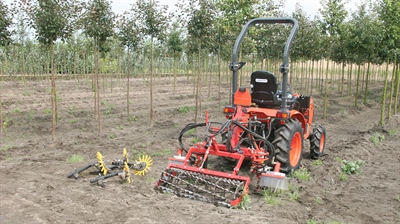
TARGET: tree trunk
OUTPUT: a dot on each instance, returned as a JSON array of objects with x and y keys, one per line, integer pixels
[
  {"x": 382, "y": 120},
  {"x": 366, "y": 83},
  {"x": 98, "y": 87},
  {"x": 127, "y": 84},
  {"x": 326, "y": 83},
  {"x": 342, "y": 81},
  {"x": 1, "y": 116},
  {"x": 219, "y": 77},
  {"x": 396, "y": 97},
  {"x": 350, "y": 82},
  {"x": 210, "y": 78},
  {"x": 198, "y": 86},
  {"x": 174, "y": 71},
  {"x": 151, "y": 83},
  {"x": 357, "y": 85},
  {"x": 53, "y": 93}
]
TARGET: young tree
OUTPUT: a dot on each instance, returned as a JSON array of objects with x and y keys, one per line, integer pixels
[
  {"x": 98, "y": 24},
  {"x": 199, "y": 16},
  {"x": 153, "y": 22},
  {"x": 389, "y": 13},
  {"x": 333, "y": 15},
  {"x": 52, "y": 20},
  {"x": 129, "y": 35},
  {"x": 175, "y": 46}
]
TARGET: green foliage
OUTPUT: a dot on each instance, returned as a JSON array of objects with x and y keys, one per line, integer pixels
[
  {"x": 343, "y": 176},
  {"x": 175, "y": 43},
  {"x": 393, "y": 132},
  {"x": 352, "y": 167},
  {"x": 397, "y": 197},
  {"x": 52, "y": 19},
  {"x": 98, "y": 21},
  {"x": 161, "y": 153},
  {"x": 333, "y": 15},
  {"x": 195, "y": 140},
  {"x": 271, "y": 197},
  {"x": 245, "y": 202},
  {"x": 186, "y": 109},
  {"x": 47, "y": 111},
  {"x": 302, "y": 174},
  {"x": 5, "y": 148},
  {"x": 318, "y": 200},
  {"x": 317, "y": 162},
  {"x": 17, "y": 110},
  {"x": 389, "y": 14},
  {"x": 294, "y": 193},
  {"x": 75, "y": 158},
  {"x": 6, "y": 122},
  {"x": 132, "y": 118},
  {"x": 312, "y": 221},
  {"x": 129, "y": 32},
  {"x": 150, "y": 17},
  {"x": 5, "y": 24},
  {"x": 109, "y": 109},
  {"x": 30, "y": 115},
  {"x": 377, "y": 138}
]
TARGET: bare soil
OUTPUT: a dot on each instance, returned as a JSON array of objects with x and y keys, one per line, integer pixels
[{"x": 33, "y": 168}]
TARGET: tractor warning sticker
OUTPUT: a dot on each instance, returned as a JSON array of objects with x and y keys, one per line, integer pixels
[{"x": 262, "y": 80}]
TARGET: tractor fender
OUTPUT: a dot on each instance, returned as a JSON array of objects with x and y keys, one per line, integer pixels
[{"x": 300, "y": 117}]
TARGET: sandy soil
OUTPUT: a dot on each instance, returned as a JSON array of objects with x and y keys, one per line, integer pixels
[{"x": 33, "y": 169}]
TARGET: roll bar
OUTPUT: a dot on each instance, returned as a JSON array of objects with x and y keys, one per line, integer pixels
[{"x": 284, "y": 69}]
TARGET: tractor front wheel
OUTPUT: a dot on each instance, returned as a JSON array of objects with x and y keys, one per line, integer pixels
[
  {"x": 288, "y": 144},
  {"x": 317, "y": 142}
]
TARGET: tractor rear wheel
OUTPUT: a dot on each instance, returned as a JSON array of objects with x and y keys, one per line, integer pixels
[
  {"x": 317, "y": 142},
  {"x": 288, "y": 144}
]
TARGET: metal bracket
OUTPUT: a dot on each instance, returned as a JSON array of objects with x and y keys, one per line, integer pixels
[
  {"x": 236, "y": 66},
  {"x": 284, "y": 68}
]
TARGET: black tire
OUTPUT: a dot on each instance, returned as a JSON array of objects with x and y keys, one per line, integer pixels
[
  {"x": 289, "y": 144},
  {"x": 317, "y": 142}
]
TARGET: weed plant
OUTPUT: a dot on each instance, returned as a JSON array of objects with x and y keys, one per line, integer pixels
[
  {"x": 75, "y": 158},
  {"x": 377, "y": 138},
  {"x": 352, "y": 167},
  {"x": 317, "y": 162},
  {"x": 302, "y": 174}
]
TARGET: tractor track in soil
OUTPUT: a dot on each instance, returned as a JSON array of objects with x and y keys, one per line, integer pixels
[{"x": 33, "y": 169}]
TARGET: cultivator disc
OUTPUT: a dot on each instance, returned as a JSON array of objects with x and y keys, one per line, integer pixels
[
  {"x": 103, "y": 168},
  {"x": 203, "y": 187},
  {"x": 143, "y": 165}
]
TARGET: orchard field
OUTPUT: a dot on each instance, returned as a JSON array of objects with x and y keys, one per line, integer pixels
[{"x": 33, "y": 168}]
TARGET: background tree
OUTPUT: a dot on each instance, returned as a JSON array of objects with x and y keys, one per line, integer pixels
[
  {"x": 5, "y": 39},
  {"x": 390, "y": 14},
  {"x": 52, "y": 20},
  {"x": 5, "y": 24},
  {"x": 153, "y": 22},
  {"x": 98, "y": 24}
]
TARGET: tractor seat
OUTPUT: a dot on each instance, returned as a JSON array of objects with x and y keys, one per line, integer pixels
[{"x": 264, "y": 89}]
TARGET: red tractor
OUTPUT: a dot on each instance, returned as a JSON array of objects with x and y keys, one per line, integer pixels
[{"x": 266, "y": 126}]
